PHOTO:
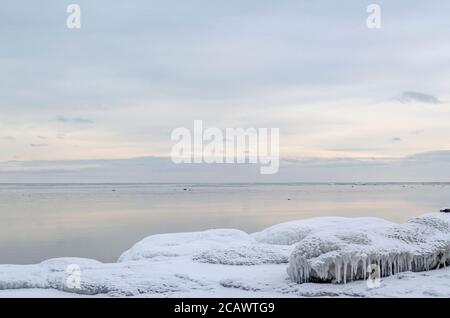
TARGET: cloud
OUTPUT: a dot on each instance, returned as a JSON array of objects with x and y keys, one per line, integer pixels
[
  {"x": 417, "y": 131},
  {"x": 436, "y": 156},
  {"x": 275, "y": 65},
  {"x": 74, "y": 120},
  {"x": 38, "y": 145},
  {"x": 422, "y": 167},
  {"x": 357, "y": 149},
  {"x": 396, "y": 139},
  {"x": 43, "y": 166},
  {"x": 410, "y": 96}
]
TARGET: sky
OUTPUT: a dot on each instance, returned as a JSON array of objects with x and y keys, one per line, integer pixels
[{"x": 76, "y": 102}]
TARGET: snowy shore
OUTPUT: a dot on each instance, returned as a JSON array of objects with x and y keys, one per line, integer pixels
[{"x": 320, "y": 257}]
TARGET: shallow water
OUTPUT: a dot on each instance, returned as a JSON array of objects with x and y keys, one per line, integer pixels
[{"x": 100, "y": 221}]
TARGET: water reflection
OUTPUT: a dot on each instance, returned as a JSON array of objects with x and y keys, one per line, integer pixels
[{"x": 100, "y": 221}]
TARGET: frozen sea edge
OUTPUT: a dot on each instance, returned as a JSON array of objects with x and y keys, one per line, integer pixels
[{"x": 319, "y": 257}]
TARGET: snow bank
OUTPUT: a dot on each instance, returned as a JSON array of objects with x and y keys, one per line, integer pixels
[
  {"x": 157, "y": 265},
  {"x": 221, "y": 246},
  {"x": 252, "y": 254},
  {"x": 51, "y": 273},
  {"x": 183, "y": 244},
  {"x": 116, "y": 279},
  {"x": 293, "y": 232},
  {"x": 343, "y": 253}
]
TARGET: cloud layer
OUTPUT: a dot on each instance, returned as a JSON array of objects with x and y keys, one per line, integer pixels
[
  {"x": 423, "y": 167},
  {"x": 136, "y": 70}
]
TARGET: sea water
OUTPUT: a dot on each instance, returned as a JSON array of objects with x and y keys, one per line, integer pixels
[{"x": 100, "y": 221}]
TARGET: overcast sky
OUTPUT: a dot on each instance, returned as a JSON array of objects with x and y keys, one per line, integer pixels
[{"x": 136, "y": 70}]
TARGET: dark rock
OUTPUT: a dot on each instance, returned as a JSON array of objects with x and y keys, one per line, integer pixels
[{"x": 445, "y": 210}]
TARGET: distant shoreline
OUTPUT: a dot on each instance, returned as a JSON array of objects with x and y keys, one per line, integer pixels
[{"x": 233, "y": 183}]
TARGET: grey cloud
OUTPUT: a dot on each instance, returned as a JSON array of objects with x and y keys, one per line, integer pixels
[
  {"x": 356, "y": 149},
  {"x": 410, "y": 96},
  {"x": 147, "y": 50},
  {"x": 202, "y": 58},
  {"x": 431, "y": 156},
  {"x": 397, "y": 139},
  {"x": 74, "y": 120},
  {"x": 38, "y": 145},
  {"x": 417, "y": 131},
  {"x": 431, "y": 166}
]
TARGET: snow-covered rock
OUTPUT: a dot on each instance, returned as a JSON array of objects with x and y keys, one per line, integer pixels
[
  {"x": 220, "y": 246},
  {"x": 343, "y": 253},
  {"x": 251, "y": 254},
  {"x": 293, "y": 232},
  {"x": 52, "y": 273},
  {"x": 184, "y": 244}
]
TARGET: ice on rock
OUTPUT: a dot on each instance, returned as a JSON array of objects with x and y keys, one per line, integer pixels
[
  {"x": 342, "y": 253},
  {"x": 252, "y": 254},
  {"x": 221, "y": 246},
  {"x": 184, "y": 244},
  {"x": 116, "y": 279},
  {"x": 60, "y": 264},
  {"x": 51, "y": 273},
  {"x": 292, "y": 232}
]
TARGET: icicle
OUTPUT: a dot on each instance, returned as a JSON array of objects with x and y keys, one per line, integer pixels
[
  {"x": 338, "y": 264},
  {"x": 345, "y": 272},
  {"x": 419, "y": 251}
]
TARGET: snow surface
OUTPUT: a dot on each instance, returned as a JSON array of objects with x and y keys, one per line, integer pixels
[
  {"x": 343, "y": 253},
  {"x": 285, "y": 260}
]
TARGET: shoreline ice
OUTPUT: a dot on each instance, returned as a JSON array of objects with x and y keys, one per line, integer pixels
[
  {"x": 343, "y": 252},
  {"x": 285, "y": 260}
]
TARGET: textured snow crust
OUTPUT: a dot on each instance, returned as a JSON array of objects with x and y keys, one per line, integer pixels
[{"x": 344, "y": 253}]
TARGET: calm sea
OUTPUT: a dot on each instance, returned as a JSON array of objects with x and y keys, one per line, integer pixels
[{"x": 100, "y": 221}]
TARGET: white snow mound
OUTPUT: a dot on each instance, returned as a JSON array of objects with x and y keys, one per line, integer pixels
[
  {"x": 220, "y": 246},
  {"x": 294, "y": 231},
  {"x": 343, "y": 252}
]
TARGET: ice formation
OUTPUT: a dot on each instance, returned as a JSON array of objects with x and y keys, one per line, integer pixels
[
  {"x": 226, "y": 262},
  {"x": 244, "y": 255},
  {"x": 181, "y": 244},
  {"x": 220, "y": 246},
  {"x": 343, "y": 253},
  {"x": 294, "y": 231}
]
